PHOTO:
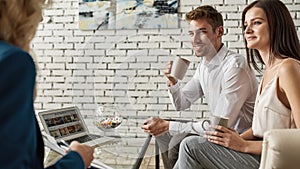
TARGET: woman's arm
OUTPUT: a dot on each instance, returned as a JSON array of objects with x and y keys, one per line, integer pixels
[
  {"x": 289, "y": 94},
  {"x": 248, "y": 134},
  {"x": 253, "y": 147},
  {"x": 231, "y": 139}
]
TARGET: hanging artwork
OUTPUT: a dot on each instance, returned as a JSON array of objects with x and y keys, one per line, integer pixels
[
  {"x": 127, "y": 14},
  {"x": 94, "y": 15}
]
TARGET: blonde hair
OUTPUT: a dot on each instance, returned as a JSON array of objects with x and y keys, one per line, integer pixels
[{"x": 19, "y": 20}]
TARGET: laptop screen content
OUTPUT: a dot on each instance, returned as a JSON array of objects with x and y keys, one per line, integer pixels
[{"x": 63, "y": 124}]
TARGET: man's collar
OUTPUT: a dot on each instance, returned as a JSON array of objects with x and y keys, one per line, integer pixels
[{"x": 219, "y": 57}]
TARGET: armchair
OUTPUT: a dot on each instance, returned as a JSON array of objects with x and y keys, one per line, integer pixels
[{"x": 281, "y": 149}]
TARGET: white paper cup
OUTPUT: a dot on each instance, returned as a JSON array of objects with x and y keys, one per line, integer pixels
[{"x": 179, "y": 67}]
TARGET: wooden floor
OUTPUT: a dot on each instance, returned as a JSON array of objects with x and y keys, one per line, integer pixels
[{"x": 149, "y": 160}]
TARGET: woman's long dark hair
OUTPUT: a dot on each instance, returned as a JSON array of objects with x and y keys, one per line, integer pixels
[{"x": 284, "y": 42}]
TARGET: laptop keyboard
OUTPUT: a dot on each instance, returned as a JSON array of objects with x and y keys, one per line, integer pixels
[{"x": 84, "y": 138}]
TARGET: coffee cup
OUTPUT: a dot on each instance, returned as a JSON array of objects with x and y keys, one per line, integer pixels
[
  {"x": 213, "y": 121},
  {"x": 179, "y": 67}
]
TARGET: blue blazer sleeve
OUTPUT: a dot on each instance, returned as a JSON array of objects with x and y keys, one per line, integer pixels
[
  {"x": 70, "y": 161},
  {"x": 17, "y": 119},
  {"x": 21, "y": 142}
]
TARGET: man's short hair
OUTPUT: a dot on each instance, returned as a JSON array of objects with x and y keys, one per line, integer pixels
[{"x": 207, "y": 12}]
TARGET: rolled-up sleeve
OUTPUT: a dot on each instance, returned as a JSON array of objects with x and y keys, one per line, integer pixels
[
  {"x": 188, "y": 127},
  {"x": 182, "y": 98}
]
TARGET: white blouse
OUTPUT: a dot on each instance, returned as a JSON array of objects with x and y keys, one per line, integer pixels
[{"x": 269, "y": 111}]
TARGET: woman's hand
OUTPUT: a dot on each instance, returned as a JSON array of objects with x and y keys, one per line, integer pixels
[
  {"x": 226, "y": 137},
  {"x": 85, "y": 151}
]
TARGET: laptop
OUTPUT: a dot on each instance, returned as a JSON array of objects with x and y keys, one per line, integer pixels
[{"x": 68, "y": 124}]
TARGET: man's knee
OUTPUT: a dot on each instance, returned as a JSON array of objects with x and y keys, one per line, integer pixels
[
  {"x": 163, "y": 141},
  {"x": 174, "y": 147},
  {"x": 192, "y": 142}
]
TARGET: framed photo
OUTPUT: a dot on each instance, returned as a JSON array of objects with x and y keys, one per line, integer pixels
[{"x": 128, "y": 14}]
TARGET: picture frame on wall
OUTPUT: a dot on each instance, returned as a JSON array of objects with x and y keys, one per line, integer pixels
[{"x": 128, "y": 14}]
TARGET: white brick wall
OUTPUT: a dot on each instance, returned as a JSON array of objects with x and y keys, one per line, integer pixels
[{"x": 121, "y": 67}]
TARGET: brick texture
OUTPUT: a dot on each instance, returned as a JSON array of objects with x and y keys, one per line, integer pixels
[{"x": 121, "y": 67}]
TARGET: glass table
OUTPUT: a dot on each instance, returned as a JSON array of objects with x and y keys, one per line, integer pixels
[{"x": 131, "y": 147}]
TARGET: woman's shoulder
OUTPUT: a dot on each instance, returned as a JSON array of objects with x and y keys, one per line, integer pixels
[
  {"x": 7, "y": 50},
  {"x": 289, "y": 72},
  {"x": 289, "y": 67}
]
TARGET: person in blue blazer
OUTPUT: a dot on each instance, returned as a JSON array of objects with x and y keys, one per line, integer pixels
[{"x": 21, "y": 143}]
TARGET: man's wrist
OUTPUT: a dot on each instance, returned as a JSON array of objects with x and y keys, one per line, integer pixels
[
  {"x": 167, "y": 124},
  {"x": 171, "y": 82}
]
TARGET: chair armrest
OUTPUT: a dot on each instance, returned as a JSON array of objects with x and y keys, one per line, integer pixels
[{"x": 281, "y": 149}]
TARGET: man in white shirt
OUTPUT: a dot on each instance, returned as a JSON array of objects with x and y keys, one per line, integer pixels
[{"x": 223, "y": 77}]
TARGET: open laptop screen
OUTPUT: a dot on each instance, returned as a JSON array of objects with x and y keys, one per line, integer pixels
[{"x": 63, "y": 123}]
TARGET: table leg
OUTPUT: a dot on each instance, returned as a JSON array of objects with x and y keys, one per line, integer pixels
[
  {"x": 139, "y": 160},
  {"x": 156, "y": 155}
]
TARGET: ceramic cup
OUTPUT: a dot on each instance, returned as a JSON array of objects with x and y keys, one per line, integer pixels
[
  {"x": 179, "y": 67},
  {"x": 213, "y": 121}
]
